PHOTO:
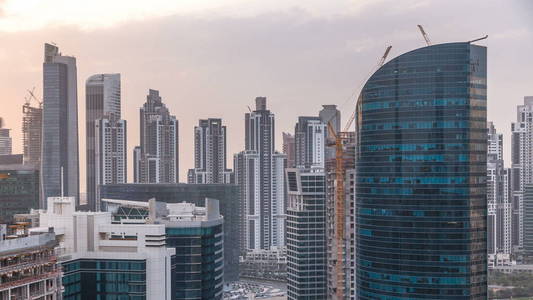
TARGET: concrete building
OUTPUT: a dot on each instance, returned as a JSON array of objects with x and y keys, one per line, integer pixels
[
  {"x": 310, "y": 142},
  {"x": 105, "y": 134},
  {"x": 60, "y": 126},
  {"x": 330, "y": 114},
  {"x": 421, "y": 163},
  {"x": 261, "y": 264},
  {"x": 28, "y": 267},
  {"x": 102, "y": 260},
  {"x": 227, "y": 194},
  {"x": 19, "y": 190},
  {"x": 522, "y": 165},
  {"x": 210, "y": 163},
  {"x": 156, "y": 161},
  {"x": 499, "y": 204},
  {"x": 5, "y": 141},
  {"x": 259, "y": 171},
  {"x": 32, "y": 133},
  {"x": 306, "y": 234}
]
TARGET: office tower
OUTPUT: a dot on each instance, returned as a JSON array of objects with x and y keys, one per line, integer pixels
[
  {"x": 259, "y": 171},
  {"x": 310, "y": 142},
  {"x": 210, "y": 164},
  {"x": 498, "y": 196},
  {"x": 105, "y": 133},
  {"x": 137, "y": 164},
  {"x": 528, "y": 219},
  {"x": 227, "y": 194},
  {"x": 196, "y": 235},
  {"x": 421, "y": 163},
  {"x": 306, "y": 234},
  {"x": 288, "y": 149},
  {"x": 157, "y": 160},
  {"x": 103, "y": 260},
  {"x": 341, "y": 270},
  {"x": 59, "y": 158},
  {"x": 29, "y": 268},
  {"x": 521, "y": 164},
  {"x": 32, "y": 130},
  {"x": 5, "y": 142},
  {"x": 19, "y": 190}
]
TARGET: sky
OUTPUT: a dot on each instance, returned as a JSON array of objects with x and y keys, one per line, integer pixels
[{"x": 212, "y": 58}]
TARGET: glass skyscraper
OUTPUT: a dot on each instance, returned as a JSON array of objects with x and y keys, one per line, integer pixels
[{"x": 421, "y": 176}]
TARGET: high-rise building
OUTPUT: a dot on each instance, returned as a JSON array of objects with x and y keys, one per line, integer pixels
[
  {"x": 32, "y": 130},
  {"x": 19, "y": 190},
  {"x": 288, "y": 149},
  {"x": 310, "y": 142},
  {"x": 330, "y": 114},
  {"x": 156, "y": 161},
  {"x": 29, "y": 268},
  {"x": 210, "y": 164},
  {"x": 306, "y": 234},
  {"x": 5, "y": 142},
  {"x": 522, "y": 164},
  {"x": 59, "y": 160},
  {"x": 498, "y": 196},
  {"x": 421, "y": 163},
  {"x": 103, "y": 260},
  {"x": 226, "y": 194},
  {"x": 259, "y": 171},
  {"x": 528, "y": 219},
  {"x": 105, "y": 135}
]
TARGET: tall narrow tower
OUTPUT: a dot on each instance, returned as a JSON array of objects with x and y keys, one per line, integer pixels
[
  {"x": 60, "y": 125},
  {"x": 210, "y": 164},
  {"x": 156, "y": 160},
  {"x": 32, "y": 130}
]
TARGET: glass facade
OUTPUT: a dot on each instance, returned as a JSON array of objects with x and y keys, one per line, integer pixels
[
  {"x": 199, "y": 262},
  {"x": 97, "y": 279},
  {"x": 19, "y": 192},
  {"x": 421, "y": 176}
]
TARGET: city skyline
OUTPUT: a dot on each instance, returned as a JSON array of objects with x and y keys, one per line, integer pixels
[{"x": 335, "y": 73}]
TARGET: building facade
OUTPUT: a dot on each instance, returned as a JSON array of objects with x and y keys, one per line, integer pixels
[
  {"x": 289, "y": 149},
  {"x": 32, "y": 131},
  {"x": 29, "y": 268},
  {"x": 521, "y": 164},
  {"x": 157, "y": 157},
  {"x": 259, "y": 171},
  {"x": 528, "y": 219},
  {"x": 310, "y": 142},
  {"x": 59, "y": 159},
  {"x": 105, "y": 134},
  {"x": 19, "y": 190},
  {"x": 227, "y": 194},
  {"x": 210, "y": 163},
  {"x": 5, "y": 142},
  {"x": 306, "y": 234},
  {"x": 421, "y": 165}
]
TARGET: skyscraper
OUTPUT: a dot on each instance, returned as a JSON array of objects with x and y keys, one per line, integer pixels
[
  {"x": 156, "y": 160},
  {"x": 498, "y": 196},
  {"x": 106, "y": 135},
  {"x": 421, "y": 165},
  {"x": 259, "y": 171},
  {"x": 330, "y": 114},
  {"x": 522, "y": 164},
  {"x": 60, "y": 126},
  {"x": 5, "y": 141},
  {"x": 306, "y": 234},
  {"x": 210, "y": 164},
  {"x": 32, "y": 130},
  {"x": 310, "y": 142},
  {"x": 288, "y": 149}
]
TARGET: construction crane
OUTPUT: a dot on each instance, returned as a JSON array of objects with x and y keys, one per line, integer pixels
[
  {"x": 379, "y": 65},
  {"x": 31, "y": 97},
  {"x": 424, "y": 34}
]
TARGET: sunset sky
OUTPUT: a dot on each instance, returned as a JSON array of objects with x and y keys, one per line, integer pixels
[{"x": 212, "y": 58}]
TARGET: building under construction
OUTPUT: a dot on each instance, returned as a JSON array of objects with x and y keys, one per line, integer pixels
[
  {"x": 340, "y": 219},
  {"x": 32, "y": 133}
]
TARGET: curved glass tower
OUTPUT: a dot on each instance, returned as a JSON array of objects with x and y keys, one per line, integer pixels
[{"x": 421, "y": 176}]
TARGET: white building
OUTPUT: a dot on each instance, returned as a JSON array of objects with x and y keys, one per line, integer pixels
[
  {"x": 92, "y": 237},
  {"x": 310, "y": 142}
]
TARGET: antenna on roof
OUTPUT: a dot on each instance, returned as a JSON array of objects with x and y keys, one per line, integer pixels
[{"x": 481, "y": 38}]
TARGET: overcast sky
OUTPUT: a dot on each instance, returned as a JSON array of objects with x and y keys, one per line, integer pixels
[{"x": 212, "y": 58}]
